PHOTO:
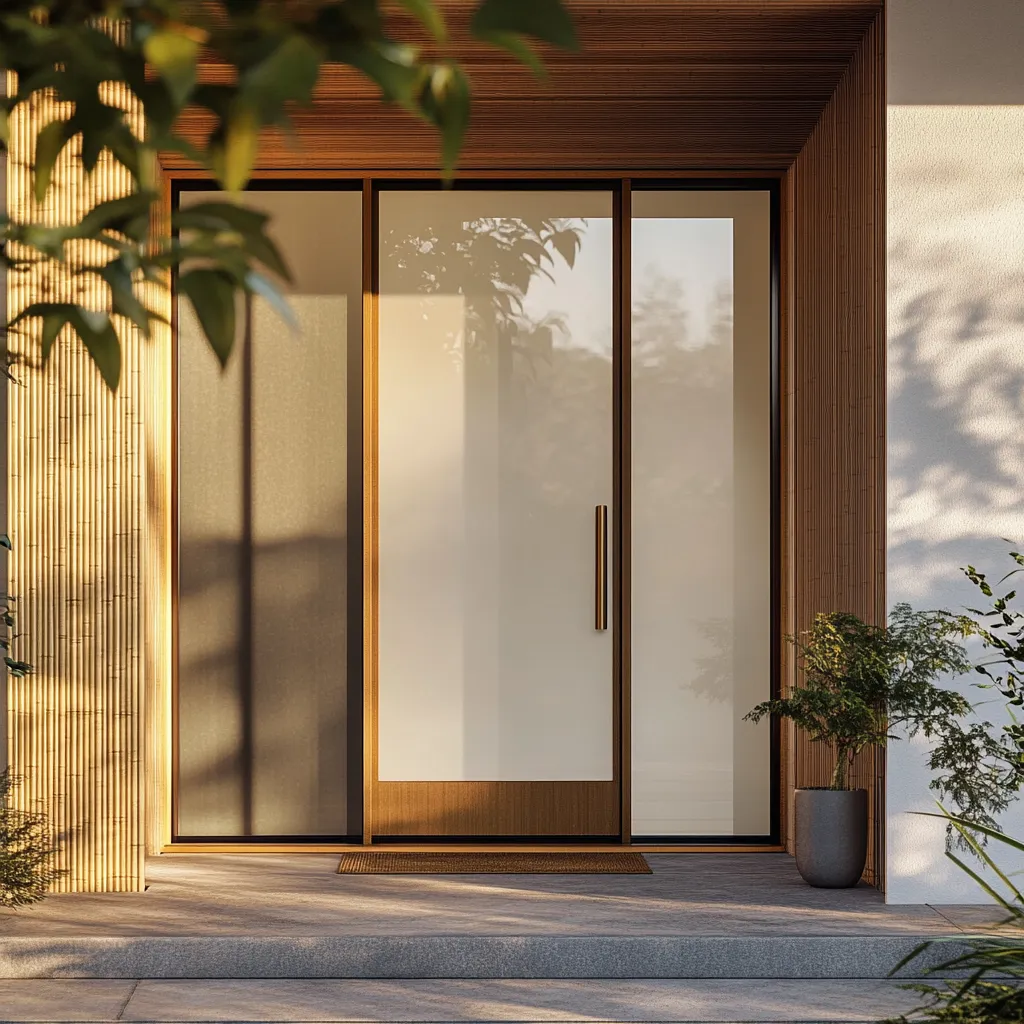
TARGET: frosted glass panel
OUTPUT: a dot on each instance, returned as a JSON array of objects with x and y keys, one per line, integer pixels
[
  {"x": 210, "y": 559},
  {"x": 263, "y": 695},
  {"x": 495, "y": 420},
  {"x": 701, "y": 564}
]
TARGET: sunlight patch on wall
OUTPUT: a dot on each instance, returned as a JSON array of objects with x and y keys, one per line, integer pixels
[{"x": 956, "y": 407}]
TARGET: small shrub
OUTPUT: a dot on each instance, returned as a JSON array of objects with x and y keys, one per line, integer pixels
[
  {"x": 991, "y": 992},
  {"x": 27, "y": 850},
  {"x": 863, "y": 682}
]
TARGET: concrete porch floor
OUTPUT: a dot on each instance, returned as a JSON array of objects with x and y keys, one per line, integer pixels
[
  {"x": 697, "y": 916},
  {"x": 738, "y": 895},
  {"x": 248, "y": 937}
]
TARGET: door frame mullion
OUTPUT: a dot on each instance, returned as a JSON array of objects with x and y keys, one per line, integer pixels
[
  {"x": 622, "y": 491},
  {"x": 370, "y": 445}
]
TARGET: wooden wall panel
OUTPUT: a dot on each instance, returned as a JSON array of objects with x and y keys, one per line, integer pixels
[
  {"x": 80, "y": 500},
  {"x": 837, "y": 419}
]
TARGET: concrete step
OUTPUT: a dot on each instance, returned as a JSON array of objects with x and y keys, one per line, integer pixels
[
  {"x": 419, "y": 1002},
  {"x": 460, "y": 956}
]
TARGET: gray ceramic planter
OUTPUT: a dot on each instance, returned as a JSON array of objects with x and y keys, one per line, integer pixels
[{"x": 831, "y": 836}]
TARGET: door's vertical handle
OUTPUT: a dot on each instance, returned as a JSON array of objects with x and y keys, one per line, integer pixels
[{"x": 601, "y": 567}]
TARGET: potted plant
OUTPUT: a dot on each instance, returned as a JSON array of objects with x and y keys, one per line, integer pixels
[{"x": 862, "y": 685}]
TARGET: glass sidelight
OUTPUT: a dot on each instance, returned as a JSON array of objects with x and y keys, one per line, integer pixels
[
  {"x": 269, "y": 627},
  {"x": 701, "y": 512}
]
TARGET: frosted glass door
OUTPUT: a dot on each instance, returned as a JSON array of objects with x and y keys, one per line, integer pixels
[
  {"x": 495, "y": 448},
  {"x": 701, "y": 512}
]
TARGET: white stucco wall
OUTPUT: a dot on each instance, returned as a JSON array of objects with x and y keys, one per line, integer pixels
[{"x": 956, "y": 350}]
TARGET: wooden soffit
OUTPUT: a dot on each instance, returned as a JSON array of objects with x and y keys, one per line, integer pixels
[{"x": 658, "y": 84}]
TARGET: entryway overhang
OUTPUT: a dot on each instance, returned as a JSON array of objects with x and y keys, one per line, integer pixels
[
  {"x": 791, "y": 90},
  {"x": 657, "y": 85}
]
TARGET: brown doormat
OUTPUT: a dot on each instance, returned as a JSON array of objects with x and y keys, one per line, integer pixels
[{"x": 388, "y": 863}]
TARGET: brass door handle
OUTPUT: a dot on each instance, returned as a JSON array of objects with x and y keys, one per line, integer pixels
[{"x": 601, "y": 567}]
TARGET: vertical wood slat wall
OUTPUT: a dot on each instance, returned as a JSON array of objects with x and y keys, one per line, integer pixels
[
  {"x": 85, "y": 524},
  {"x": 837, "y": 376}
]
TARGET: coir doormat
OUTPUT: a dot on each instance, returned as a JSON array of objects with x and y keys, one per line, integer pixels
[{"x": 390, "y": 863}]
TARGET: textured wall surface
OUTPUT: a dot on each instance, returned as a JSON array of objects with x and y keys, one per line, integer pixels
[
  {"x": 81, "y": 504},
  {"x": 955, "y": 350}
]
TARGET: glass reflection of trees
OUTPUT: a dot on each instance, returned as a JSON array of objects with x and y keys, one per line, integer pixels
[
  {"x": 683, "y": 466},
  {"x": 536, "y": 452},
  {"x": 553, "y": 395},
  {"x": 492, "y": 261}
]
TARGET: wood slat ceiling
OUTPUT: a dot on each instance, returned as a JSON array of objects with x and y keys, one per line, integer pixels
[{"x": 658, "y": 84}]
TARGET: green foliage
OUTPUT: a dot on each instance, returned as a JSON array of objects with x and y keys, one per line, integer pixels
[
  {"x": 8, "y": 624},
  {"x": 864, "y": 685},
  {"x": 984, "y": 1002},
  {"x": 26, "y": 845},
  {"x": 991, "y": 992},
  {"x": 75, "y": 50},
  {"x": 27, "y": 849},
  {"x": 1002, "y": 632},
  {"x": 974, "y": 770},
  {"x": 861, "y": 682},
  {"x": 980, "y": 767}
]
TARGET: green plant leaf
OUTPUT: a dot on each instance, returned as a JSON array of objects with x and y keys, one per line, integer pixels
[
  {"x": 212, "y": 294},
  {"x": 262, "y": 248},
  {"x": 52, "y": 325},
  {"x": 959, "y": 822},
  {"x": 519, "y": 47},
  {"x": 96, "y": 123},
  {"x": 393, "y": 67},
  {"x": 260, "y": 285},
  {"x": 174, "y": 55},
  {"x": 93, "y": 327},
  {"x": 428, "y": 15},
  {"x": 54, "y": 316},
  {"x": 546, "y": 20},
  {"x": 49, "y": 142},
  {"x": 220, "y": 216},
  {"x": 113, "y": 215},
  {"x": 234, "y": 152},
  {"x": 100, "y": 340},
  {"x": 249, "y": 223},
  {"x": 124, "y": 301},
  {"x": 288, "y": 74},
  {"x": 446, "y": 103}
]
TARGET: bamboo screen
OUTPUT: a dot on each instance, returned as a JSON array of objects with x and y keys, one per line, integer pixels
[{"x": 87, "y": 507}]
